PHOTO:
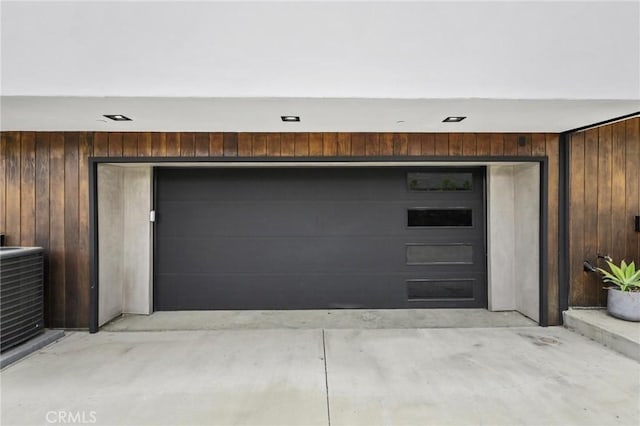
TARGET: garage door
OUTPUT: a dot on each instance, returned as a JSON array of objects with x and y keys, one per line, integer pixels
[{"x": 305, "y": 238}]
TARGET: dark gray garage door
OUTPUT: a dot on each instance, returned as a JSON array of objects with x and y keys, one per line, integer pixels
[{"x": 303, "y": 238}]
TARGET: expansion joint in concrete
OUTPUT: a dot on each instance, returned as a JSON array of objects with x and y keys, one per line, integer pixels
[{"x": 326, "y": 377}]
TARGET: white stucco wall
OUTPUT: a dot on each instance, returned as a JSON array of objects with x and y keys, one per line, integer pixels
[
  {"x": 373, "y": 49},
  {"x": 527, "y": 239},
  {"x": 500, "y": 235},
  {"x": 513, "y": 238},
  {"x": 110, "y": 226},
  {"x": 137, "y": 241},
  {"x": 124, "y": 241}
]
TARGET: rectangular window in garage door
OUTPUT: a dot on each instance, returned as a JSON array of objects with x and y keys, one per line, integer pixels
[{"x": 445, "y": 247}]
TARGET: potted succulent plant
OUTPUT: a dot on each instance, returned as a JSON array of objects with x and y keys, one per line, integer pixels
[{"x": 623, "y": 298}]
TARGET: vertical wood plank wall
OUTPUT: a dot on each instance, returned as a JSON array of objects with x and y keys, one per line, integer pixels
[
  {"x": 44, "y": 194},
  {"x": 604, "y": 198}
]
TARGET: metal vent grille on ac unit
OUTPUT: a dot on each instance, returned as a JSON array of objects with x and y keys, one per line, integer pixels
[{"x": 21, "y": 295}]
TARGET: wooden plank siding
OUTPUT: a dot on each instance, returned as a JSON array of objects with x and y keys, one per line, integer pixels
[
  {"x": 428, "y": 144},
  {"x": 604, "y": 198},
  {"x": 274, "y": 144},
  {"x": 12, "y": 205},
  {"x": 549, "y": 145},
  {"x": 158, "y": 145},
  {"x": 144, "y": 145},
  {"x": 57, "y": 266},
  {"x": 71, "y": 225},
  {"x": 42, "y": 204},
  {"x": 358, "y": 145},
  {"x": 44, "y": 185},
  {"x": 244, "y": 145},
  {"x": 85, "y": 150},
  {"x": 301, "y": 145},
  {"x": 315, "y": 144},
  {"x": 329, "y": 144},
  {"x": 187, "y": 145},
  {"x": 287, "y": 144},
  {"x": 130, "y": 145},
  {"x": 28, "y": 189},
  {"x": 632, "y": 198}
]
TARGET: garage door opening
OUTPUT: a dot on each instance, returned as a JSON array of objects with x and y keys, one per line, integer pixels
[{"x": 316, "y": 236}]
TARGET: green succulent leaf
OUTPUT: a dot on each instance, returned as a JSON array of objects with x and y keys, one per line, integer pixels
[{"x": 625, "y": 276}]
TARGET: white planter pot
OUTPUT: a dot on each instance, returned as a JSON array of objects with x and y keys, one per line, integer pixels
[{"x": 624, "y": 304}]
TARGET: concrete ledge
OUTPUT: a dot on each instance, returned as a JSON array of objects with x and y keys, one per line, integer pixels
[
  {"x": 596, "y": 324},
  {"x": 30, "y": 346},
  {"x": 319, "y": 319}
]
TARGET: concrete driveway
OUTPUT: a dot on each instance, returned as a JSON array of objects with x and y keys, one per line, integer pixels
[{"x": 482, "y": 376}]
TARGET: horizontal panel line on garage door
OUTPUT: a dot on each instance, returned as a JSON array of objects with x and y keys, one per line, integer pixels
[
  {"x": 448, "y": 239},
  {"x": 319, "y": 200},
  {"x": 410, "y": 275},
  {"x": 441, "y": 299}
]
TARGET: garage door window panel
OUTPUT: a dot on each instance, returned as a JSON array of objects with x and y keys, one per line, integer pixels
[
  {"x": 428, "y": 217},
  {"x": 439, "y": 181},
  {"x": 444, "y": 289}
]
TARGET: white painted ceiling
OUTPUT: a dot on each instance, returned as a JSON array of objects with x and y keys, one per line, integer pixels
[
  {"x": 337, "y": 115},
  {"x": 341, "y": 66}
]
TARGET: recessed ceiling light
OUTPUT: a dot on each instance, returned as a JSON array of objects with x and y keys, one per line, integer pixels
[
  {"x": 453, "y": 119},
  {"x": 290, "y": 118},
  {"x": 117, "y": 117}
]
